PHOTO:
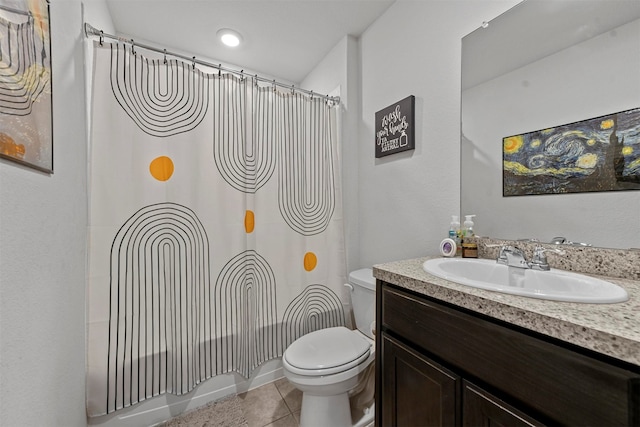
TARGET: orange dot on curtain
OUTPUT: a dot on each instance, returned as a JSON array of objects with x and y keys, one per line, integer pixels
[
  {"x": 310, "y": 261},
  {"x": 161, "y": 168},
  {"x": 249, "y": 221}
]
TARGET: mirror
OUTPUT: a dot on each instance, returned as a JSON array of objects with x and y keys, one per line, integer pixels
[{"x": 541, "y": 64}]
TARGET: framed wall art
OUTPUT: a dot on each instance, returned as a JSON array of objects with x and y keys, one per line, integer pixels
[
  {"x": 599, "y": 154},
  {"x": 26, "y": 123},
  {"x": 395, "y": 127}
]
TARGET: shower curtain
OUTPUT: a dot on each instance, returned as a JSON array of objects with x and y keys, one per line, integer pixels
[{"x": 215, "y": 229}]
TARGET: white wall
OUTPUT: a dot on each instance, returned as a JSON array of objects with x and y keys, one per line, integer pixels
[
  {"x": 43, "y": 222},
  {"x": 406, "y": 200}
]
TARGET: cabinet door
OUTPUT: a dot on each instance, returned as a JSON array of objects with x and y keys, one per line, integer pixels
[
  {"x": 481, "y": 409},
  {"x": 417, "y": 391}
]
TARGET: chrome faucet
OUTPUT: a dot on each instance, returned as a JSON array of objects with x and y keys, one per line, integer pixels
[{"x": 513, "y": 256}]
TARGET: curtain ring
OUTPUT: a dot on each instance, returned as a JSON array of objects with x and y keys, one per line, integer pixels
[
  {"x": 311, "y": 95},
  {"x": 133, "y": 47},
  {"x": 241, "y": 75},
  {"x": 193, "y": 64},
  {"x": 274, "y": 85},
  {"x": 219, "y": 70},
  {"x": 101, "y": 37},
  {"x": 293, "y": 89},
  {"x": 165, "y": 56}
]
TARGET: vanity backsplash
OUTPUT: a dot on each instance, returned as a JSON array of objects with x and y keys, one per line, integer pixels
[{"x": 619, "y": 263}]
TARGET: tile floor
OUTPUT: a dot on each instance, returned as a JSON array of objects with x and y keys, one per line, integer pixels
[{"x": 276, "y": 404}]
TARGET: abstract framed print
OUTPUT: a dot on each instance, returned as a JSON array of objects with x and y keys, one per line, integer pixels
[{"x": 26, "y": 123}]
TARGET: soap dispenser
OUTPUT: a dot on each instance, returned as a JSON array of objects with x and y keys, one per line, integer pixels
[
  {"x": 469, "y": 246},
  {"x": 455, "y": 234},
  {"x": 468, "y": 226},
  {"x": 454, "y": 229}
]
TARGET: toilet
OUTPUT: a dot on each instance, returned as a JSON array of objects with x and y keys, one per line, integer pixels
[{"x": 333, "y": 367}]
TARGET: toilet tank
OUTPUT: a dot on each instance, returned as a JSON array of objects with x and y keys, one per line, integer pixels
[{"x": 363, "y": 299}]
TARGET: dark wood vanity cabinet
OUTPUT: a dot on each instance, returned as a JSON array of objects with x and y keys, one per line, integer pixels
[
  {"x": 438, "y": 365},
  {"x": 408, "y": 377}
]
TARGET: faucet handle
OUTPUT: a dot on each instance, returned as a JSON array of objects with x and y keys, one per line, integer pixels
[
  {"x": 502, "y": 255},
  {"x": 539, "y": 257},
  {"x": 539, "y": 260}
]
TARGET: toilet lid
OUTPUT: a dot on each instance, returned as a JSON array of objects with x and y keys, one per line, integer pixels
[{"x": 327, "y": 351}]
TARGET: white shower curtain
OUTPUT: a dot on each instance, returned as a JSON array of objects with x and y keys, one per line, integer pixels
[{"x": 216, "y": 232}]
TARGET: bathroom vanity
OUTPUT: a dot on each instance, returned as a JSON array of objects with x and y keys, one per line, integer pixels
[{"x": 448, "y": 354}]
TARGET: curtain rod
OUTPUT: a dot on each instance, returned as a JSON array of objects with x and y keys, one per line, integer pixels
[{"x": 89, "y": 30}]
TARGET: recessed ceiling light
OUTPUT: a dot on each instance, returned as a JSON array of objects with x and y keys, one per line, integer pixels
[{"x": 229, "y": 37}]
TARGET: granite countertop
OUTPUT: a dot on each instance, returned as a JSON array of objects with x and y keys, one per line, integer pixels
[{"x": 610, "y": 329}]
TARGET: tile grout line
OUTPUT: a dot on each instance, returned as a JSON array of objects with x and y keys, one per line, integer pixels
[
  {"x": 290, "y": 414},
  {"x": 283, "y": 399},
  {"x": 285, "y": 403}
]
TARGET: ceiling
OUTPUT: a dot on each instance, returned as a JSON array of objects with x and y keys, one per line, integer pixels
[{"x": 284, "y": 39}]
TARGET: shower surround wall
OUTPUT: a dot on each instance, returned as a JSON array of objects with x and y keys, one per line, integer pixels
[{"x": 215, "y": 225}]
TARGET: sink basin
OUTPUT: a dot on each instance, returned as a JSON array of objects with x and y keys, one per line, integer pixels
[{"x": 557, "y": 285}]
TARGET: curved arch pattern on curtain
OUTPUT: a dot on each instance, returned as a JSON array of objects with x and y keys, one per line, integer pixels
[
  {"x": 317, "y": 307},
  {"x": 159, "y": 305},
  {"x": 245, "y": 306},
  {"x": 244, "y": 133},
  {"x": 306, "y": 192},
  {"x": 163, "y": 97},
  {"x": 23, "y": 65},
  {"x": 164, "y": 313}
]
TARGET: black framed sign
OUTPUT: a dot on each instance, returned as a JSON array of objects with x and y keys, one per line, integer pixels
[{"x": 395, "y": 127}]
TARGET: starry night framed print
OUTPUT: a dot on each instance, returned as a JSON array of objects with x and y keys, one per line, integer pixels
[
  {"x": 26, "y": 128},
  {"x": 599, "y": 154}
]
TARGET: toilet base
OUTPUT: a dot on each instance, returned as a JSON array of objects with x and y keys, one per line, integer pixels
[
  {"x": 334, "y": 411},
  {"x": 323, "y": 411},
  {"x": 364, "y": 419}
]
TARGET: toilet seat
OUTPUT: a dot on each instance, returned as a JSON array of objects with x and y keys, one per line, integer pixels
[{"x": 326, "y": 351}]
